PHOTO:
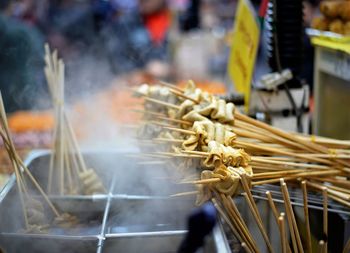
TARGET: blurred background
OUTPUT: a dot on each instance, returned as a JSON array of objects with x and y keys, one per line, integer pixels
[{"x": 104, "y": 42}]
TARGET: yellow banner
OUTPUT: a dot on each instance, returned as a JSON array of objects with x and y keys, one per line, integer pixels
[{"x": 243, "y": 49}]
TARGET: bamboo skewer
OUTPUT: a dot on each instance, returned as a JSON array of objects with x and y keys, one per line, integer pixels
[
  {"x": 245, "y": 247},
  {"x": 171, "y": 86},
  {"x": 283, "y": 233},
  {"x": 184, "y": 194},
  {"x": 306, "y": 215},
  {"x": 325, "y": 218},
  {"x": 254, "y": 209},
  {"x": 183, "y": 95},
  {"x": 322, "y": 246},
  {"x": 159, "y": 102},
  {"x": 232, "y": 209},
  {"x": 291, "y": 157},
  {"x": 297, "y": 245},
  {"x": 17, "y": 162},
  {"x": 226, "y": 219},
  {"x": 272, "y": 206}
]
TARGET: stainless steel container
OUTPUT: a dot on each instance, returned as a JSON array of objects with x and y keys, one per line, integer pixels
[{"x": 135, "y": 216}]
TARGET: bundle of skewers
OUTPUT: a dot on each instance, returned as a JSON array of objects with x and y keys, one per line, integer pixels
[
  {"x": 68, "y": 173},
  {"x": 32, "y": 196},
  {"x": 234, "y": 153}
]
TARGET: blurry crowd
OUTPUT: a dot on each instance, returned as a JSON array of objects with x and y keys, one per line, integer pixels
[
  {"x": 104, "y": 40},
  {"x": 127, "y": 37}
]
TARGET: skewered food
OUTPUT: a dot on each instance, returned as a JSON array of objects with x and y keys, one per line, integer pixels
[
  {"x": 220, "y": 154},
  {"x": 68, "y": 173},
  {"x": 217, "y": 109},
  {"x": 66, "y": 220},
  {"x": 265, "y": 155},
  {"x": 91, "y": 182},
  {"x": 35, "y": 220},
  {"x": 228, "y": 183},
  {"x": 206, "y": 131}
]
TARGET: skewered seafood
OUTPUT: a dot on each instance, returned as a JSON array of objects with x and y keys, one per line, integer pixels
[
  {"x": 220, "y": 154},
  {"x": 35, "y": 220},
  {"x": 217, "y": 109},
  {"x": 66, "y": 220},
  {"x": 158, "y": 92},
  {"x": 67, "y": 165},
  {"x": 206, "y": 131},
  {"x": 275, "y": 155},
  {"x": 228, "y": 182},
  {"x": 91, "y": 183}
]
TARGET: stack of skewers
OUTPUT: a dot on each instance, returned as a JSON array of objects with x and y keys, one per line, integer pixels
[
  {"x": 32, "y": 196},
  {"x": 235, "y": 153},
  {"x": 68, "y": 173}
]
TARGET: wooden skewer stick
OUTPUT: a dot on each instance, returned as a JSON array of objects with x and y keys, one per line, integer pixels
[
  {"x": 259, "y": 223},
  {"x": 18, "y": 173},
  {"x": 246, "y": 248},
  {"x": 322, "y": 246},
  {"x": 254, "y": 210},
  {"x": 172, "y": 86},
  {"x": 184, "y": 122},
  {"x": 291, "y": 220},
  {"x": 18, "y": 162},
  {"x": 202, "y": 181},
  {"x": 325, "y": 217},
  {"x": 343, "y": 183},
  {"x": 283, "y": 233},
  {"x": 232, "y": 209},
  {"x": 278, "y": 151},
  {"x": 180, "y": 130},
  {"x": 148, "y": 112},
  {"x": 168, "y": 140},
  {"x": 298, "y": 175},
  {"x": 306, "y": 214},
  {"x": 159, "y": 102},
  {"x": 330, "y": 191},
  {"x": 272, "y": 205},
  {"x": 181, "y": 194},
  {"x": 180, "y": 94},
  {"x": 303, "y": 165},
  {"x": 323, "y": 141},
  {"x": 278, "y": 132},
  {"x": 227, "y": 220}
]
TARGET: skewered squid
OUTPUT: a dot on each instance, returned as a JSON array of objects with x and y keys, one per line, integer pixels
[
  {"x": 206, "y": 131},
  {"x": 35, "y": 212},
  {"x": 217, "y": 109},
  {"x": 229, "y": 183},
  {"x": 158, "y": 92},
  {"x": 229, "y": 156},
  {"x": 92, "y": 184},
  {"x": 66, "y": 220}
]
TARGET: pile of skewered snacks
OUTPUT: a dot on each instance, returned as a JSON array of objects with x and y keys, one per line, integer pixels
[
  {"x": 68, "y": 173},
  {"x": 335, "y": 17},
  {"x": 234, "y": 153},
  {"x": 35, "y": 218}
]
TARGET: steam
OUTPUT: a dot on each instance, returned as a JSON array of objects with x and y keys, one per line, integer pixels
[{"x": 140, "y": 202}]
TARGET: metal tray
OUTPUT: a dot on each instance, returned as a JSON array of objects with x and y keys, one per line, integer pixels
[{"x": 107, "y": 227}]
